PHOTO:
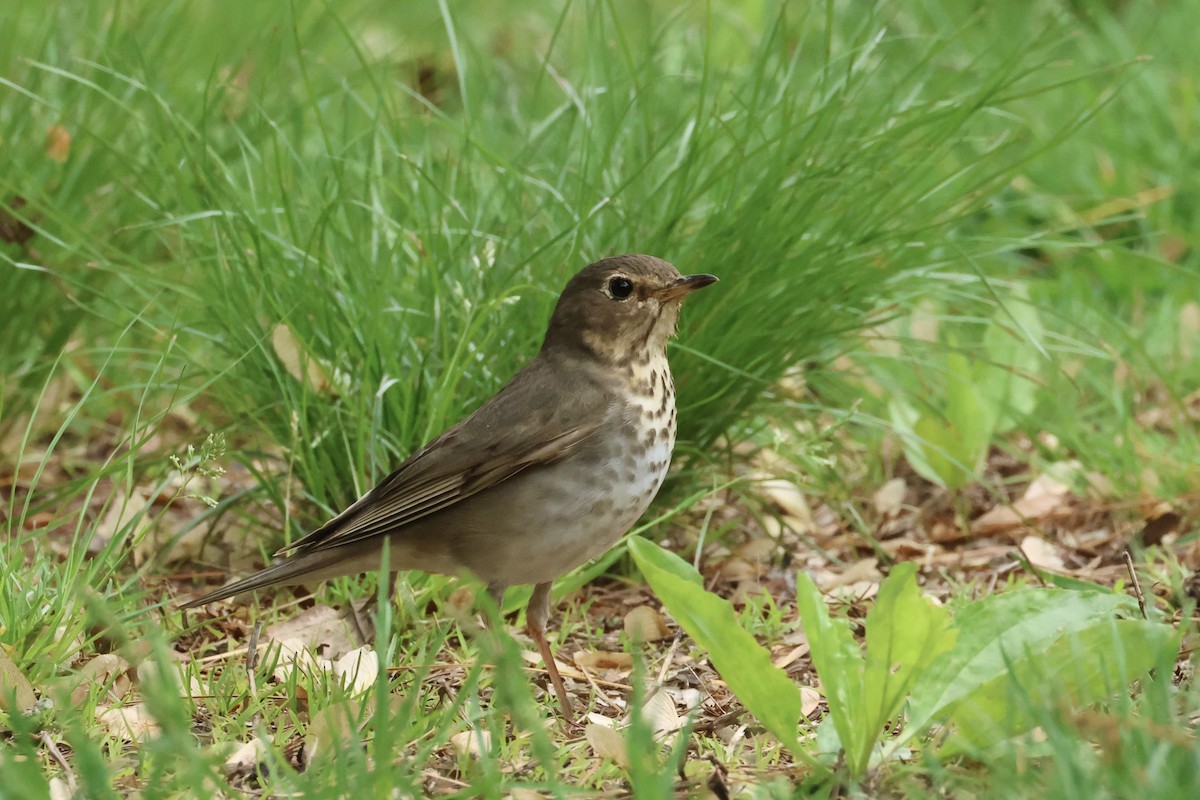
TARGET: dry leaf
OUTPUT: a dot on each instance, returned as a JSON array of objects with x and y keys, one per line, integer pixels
[
  {"x": 472, "y": 743},
  {"x": 601, "y": 660},
  {"x": 133, "y": 723},
  {"x": 889, "y": 498},
  {"x": 60, "y": 789},
  {"x": 519, "y": 793},
  {"x": 320, "y": 628},
  {"x": 58, "y": 143},
  {"x": 659, "y": 711},
  {"x": 861, "y": 571},
  {"x": 810, "y": 700},
  {"x": 100, "y": 670},
  {"x": 460, "y": 603},
  {"x": 781, "y": 662},
  {"x": 247, "y": 757},
  {"x": 1045, "y": 498},
  {"x": 790, "y": 500},
  {"x": 293, "y": 656},
  {"x": 607, "y": 744},
  {"x": 148, "y": 671},
  {"x": 358, "y": 669},
  {"x": 646, "y": 624},
  {"x": 332, "y": 727},
  {"x": 299, "y": 364},
  {"x": 1042, "y": 554},
  {"x": 14, "y": 686},
  {"x": 121, "y": 511}
]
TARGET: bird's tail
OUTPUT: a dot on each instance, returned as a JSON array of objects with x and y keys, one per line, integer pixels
[{"x": 297, "y": 569}]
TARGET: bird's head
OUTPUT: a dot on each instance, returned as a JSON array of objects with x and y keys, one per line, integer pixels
[{"x": 622, "y": 307}]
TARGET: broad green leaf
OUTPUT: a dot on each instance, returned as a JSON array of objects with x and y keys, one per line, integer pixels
[
  {"x": 744, "y": 664},
  {"x": 969, "y": 422},
  {"x": 1014, "y": 360},
  {"x": 904, "y": 420},
  {"x": 994, "y": 630},
  {"x": 838, "y": 660},
  {"x": 1079, "y": 668},
  {"x": 905, "y": 634},
  {"x": 664, "y": 559},
  {"x": 947, "y": 447}
]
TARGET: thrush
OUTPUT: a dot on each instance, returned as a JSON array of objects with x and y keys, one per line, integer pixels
[{"x": 546, "y": 475}]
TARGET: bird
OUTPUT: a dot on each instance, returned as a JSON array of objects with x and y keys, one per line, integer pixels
[{"x": 546, "y": 475}]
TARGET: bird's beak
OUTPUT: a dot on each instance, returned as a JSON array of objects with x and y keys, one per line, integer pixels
[{"x": 685, "y": 286}]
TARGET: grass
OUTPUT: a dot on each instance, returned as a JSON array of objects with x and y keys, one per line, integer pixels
[{"x": 324, "y": 233}]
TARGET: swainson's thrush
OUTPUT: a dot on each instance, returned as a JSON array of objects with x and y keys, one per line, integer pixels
[{"x": 549, "y": 473}]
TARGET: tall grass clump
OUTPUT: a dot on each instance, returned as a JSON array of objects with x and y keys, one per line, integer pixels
[{"x": 368, "y": 223}]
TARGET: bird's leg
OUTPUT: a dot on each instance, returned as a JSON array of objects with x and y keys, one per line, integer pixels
[
  {"x": 535, "y": 624},
  {"x": 496, "y": 592}
]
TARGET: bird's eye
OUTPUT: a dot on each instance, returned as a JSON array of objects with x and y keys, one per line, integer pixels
[{"x": 620, "y": 288}]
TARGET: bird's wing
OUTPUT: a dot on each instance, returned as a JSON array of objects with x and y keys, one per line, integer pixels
[{"x": 531, "y": 421}]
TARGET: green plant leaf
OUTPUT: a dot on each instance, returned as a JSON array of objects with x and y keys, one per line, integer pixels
[
  {"x": 838, "y": 660},
  {"x": 1008, "y": 377},
  {"x": 947, "y": 447},
  {"x": 904, "y": 420},
  {"x": 993, "y": 631},
  {"x": 905, "y": 634},
  {"x": 1079, "y": 668},
  {"x": 744, "y": 664}
]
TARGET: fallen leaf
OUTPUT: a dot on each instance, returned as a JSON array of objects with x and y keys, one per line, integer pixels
[
  {"x": 122, "y": 511},
  {"x": 101, "y": 670},
  {"x": 16, "y": 692},
  {"x": 788, "y": 497},
  {"x": 659, "y": 712},
  {"x": 148, "y": 671},
  {"x": 889, "y": 498},
  {"x": 781, "y": 662},
  {"x": 298, "y": 363},
  {"x": 132, "y": 723},
  {"x": 864, "y": 570},
  {"x": 607, "y": 744},
  {"x": 646, "y": 624},
  {"x": 1045, "y": 498},
  {"x": 358, "y": 669},
  {"x": 472, "y": 743},
  {"x": 461, "y": 602},
  {"x": 293, "y": 656},
  {"x": 58, "y": 143},
  {"x": 334, "y": 726},
  {"x": 60, "y": 790},
  {"x": 519, "y": 793},
  {"x": 322, "y": 629},
  {"x": 247, "y": 757},
  {"x": 810, "y": 700},
  {"x": 601, "y": 660},
  {"x": 1042, "y": 554},
  {"x": 757, "y": 549}
]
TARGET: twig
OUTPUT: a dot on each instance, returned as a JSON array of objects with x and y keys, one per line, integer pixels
[
  {"x": 60, "y": 759},
  {"x": 1137, "y": 586},
  {"x": 252, "y": 657},
  {"x": 600, "y": 693},
  {"x": 710, "y": 725}
]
